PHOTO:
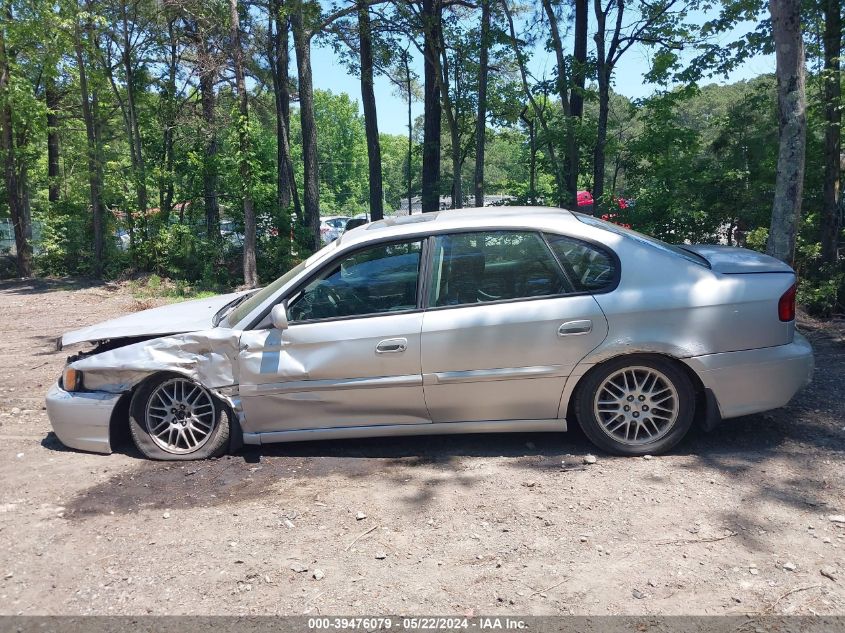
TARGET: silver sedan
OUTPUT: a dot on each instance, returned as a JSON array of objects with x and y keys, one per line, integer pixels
[{"x": 470, "y": 321}]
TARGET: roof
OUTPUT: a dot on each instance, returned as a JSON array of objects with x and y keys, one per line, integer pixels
[{"x": 481, "y": 217}]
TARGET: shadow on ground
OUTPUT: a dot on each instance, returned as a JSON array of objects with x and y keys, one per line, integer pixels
[
  {"x": 41, "y": 285},
  {"x": 778, "y": 456}
]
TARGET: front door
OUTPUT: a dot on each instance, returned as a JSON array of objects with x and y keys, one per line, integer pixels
[
  {"x": 504, "y": 328},
  {"x": 351, "y": 353}
]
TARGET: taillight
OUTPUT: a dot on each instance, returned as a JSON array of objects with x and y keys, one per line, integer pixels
[{"x": 786, "y": 305}]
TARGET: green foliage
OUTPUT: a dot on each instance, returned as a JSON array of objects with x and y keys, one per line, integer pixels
[
  {"x": 695, "y": 163},
  {"x": 756, "y": 239},
  {"x": 65, "y": 246}
]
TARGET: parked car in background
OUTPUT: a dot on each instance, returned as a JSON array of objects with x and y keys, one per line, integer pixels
[
  {"x": 354, "y": 223},
  {"x": 332, "y": 227},
  {"x": 467, "y": 321},
  {"x": 232, "y": 238}
]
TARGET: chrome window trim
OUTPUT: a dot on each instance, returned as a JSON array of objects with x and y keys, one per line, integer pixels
[{"x": 425, "y": 263}]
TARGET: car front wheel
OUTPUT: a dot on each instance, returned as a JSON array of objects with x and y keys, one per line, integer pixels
[
  {"x": 636, "y": 405},
  {"x": 174, "y": 418}
]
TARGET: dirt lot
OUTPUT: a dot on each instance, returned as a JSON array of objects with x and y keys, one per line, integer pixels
[{"x": 734, "y": 521}]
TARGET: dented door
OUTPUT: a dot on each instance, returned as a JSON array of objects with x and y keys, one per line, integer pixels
[
  {"x": 357, "y": 372},
  {"x": 351, "y": 353}
]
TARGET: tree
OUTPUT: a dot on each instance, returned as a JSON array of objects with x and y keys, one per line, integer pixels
[
  {"x": 789, "y": 55},
  {"x": 481, "y": 121},
  {"x": 368, "y": 98},
  {"x": 90, "y": 101},
  {"x": 570, "y": 166},
  {"x": 538, "y": 112},
  {"x": 830, "y": 217},
  {"x": 250, "y": 273},
  {"x": 18, "y": 205},
  {"x": 431, "y": 19},
  {"x": 655, "y": 23},
  {"x": 202, "y": 29},
  {"x": 303, "y": 14},
  {"x": 306, "y": 21},
  {"x": 278, "y": 30}
]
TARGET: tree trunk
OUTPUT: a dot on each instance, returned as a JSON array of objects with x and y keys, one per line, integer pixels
[
  {"x": 789, "y": 56},
  {"x": 89, "y": 115},
  {"x": 431, "y": 14},
  {"x": 286, "y": 191},
  {"x": 51, "y": 94},
  {"x": 23, "y": 192},
  {"x": 452, "y": 123},
  {"x": 830, "y": 221},
  {"x": 406, "y": 62},
  {"x": 138, "y": 159},
  {"x": 603, "y": 71},
  {"x": 538, "y": 112},
  {"x": 302, "y": 45},
  {"x": 167, "y": 187},
  {"x": 481, "y": 121},
  {"x": 570, "y": 162},
  {"x": 209, "y": 171},
  {"x": 166, "y": 184},
  {"x": 250, "y": 274},
  {"x": 579, "y": 65},
  {"x": 368, "y": 98},
  {"x": 532, "y": 158},
  {"x": 17, "y": 206}
]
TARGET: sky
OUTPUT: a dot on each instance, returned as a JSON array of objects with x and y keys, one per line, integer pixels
[{"x": 628, "y": 80}]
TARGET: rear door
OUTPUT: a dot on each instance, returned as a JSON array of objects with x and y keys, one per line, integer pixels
[{"x": 504, "y": 327}]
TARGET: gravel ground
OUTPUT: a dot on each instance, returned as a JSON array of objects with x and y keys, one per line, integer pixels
[{"x": 734, "y": 521}]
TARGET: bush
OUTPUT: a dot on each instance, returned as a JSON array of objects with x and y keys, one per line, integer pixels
[{"x": 66, "y": 242}]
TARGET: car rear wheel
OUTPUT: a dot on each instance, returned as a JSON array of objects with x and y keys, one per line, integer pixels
[
  {"x": 636, "y": 405},
  {"x": 174, "y": 418}
]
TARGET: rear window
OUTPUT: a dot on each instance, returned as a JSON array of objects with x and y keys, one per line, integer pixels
[
  {"x": 590, "y": 268},
  {"x": 680, "y": 251}
]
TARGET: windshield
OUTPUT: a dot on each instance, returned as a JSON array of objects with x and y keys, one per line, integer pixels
[
  {"x": 267, "y": 291},
  {"x": 645, "y": 239}
]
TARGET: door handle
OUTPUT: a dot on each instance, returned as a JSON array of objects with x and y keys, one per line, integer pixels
[
  {"x": 575, "y": 327},
  {"x": 392, "y": 346}
]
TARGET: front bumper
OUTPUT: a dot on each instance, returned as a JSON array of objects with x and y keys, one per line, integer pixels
[
  {"x": 755, "y": 380},
  {"x": 81, "y": 419}
]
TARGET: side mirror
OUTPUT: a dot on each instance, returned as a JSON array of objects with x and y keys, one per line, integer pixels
[{"x": 279, "y": 316}]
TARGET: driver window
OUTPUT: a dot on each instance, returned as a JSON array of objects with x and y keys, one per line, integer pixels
[
  {"x": 493, "y": 266},
  {"x": 375, "y": 280}
]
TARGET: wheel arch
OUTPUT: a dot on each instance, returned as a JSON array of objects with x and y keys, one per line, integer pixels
[
  {"x": 120, "y": 436},
  {"x": 706, "y": 407}
]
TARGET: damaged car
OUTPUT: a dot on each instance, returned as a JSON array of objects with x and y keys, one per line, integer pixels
[{"x": 502, "y": 319}]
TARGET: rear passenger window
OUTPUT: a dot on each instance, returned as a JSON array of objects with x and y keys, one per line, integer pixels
[
  {"x": 492, "y": 266},
  {"x": 590, "y": 268}
]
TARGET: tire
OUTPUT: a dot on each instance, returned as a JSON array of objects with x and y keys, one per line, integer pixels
[
  {"x": 660, "y": 401},
  {"x": 173, "y": 418}
]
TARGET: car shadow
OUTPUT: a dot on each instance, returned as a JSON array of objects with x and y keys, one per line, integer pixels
[{"x": 795, "y": 444}]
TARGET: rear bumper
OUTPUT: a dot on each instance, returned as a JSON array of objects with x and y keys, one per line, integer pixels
[
  {"x": 81, "y": 419},
  {"x": 755, "y": 380}
]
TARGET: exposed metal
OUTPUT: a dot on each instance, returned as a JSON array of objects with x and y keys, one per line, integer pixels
[{"x": 503, "y": 365}]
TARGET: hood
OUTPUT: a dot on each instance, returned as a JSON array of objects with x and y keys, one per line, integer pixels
[
  {"x": 731, "y": 260},
  {"x": 176, "y": 318}
]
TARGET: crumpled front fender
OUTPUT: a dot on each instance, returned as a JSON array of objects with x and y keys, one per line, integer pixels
[{"x": 208, "y": 357}]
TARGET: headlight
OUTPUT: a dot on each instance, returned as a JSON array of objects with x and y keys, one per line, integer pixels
[{"x": 71, "y": 379}]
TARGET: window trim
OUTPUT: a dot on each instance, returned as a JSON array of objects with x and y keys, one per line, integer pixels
[{"x": 423, "y": 284}]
